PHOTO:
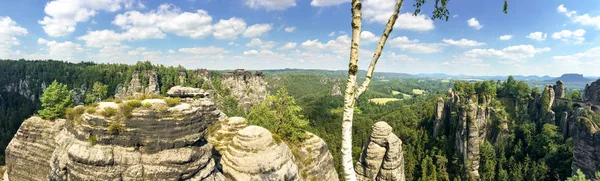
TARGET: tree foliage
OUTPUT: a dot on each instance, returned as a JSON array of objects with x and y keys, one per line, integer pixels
[
  {"x": 55, "y": 101},
  {"x": 98, "y": 93}
]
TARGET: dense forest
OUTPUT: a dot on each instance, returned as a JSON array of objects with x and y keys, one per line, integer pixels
[{"x": 529, "y": 148}]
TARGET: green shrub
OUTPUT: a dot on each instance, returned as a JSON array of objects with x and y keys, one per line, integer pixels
[
  {"x": 134, "y": 103},
  {"x": 91, "y": 111},
  {"x": 92, "y": 140},
  {"x": 147, "y": 105},
  {"x": 172, "y": 101},
  {"x": 95, "y": 104},
  {"x": 125, "y": 110},
  {"x": 130, "y": 98},
  {"x": 74, "y": 114},
  {"x": 108, "y": 112},
  {"x": 115, "y": 128},
  {"x": 118, "y": 101}
]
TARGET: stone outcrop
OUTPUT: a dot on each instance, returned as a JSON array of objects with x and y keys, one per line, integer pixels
[
  {"x": 439, "y": 112},
  {"x": 550, "y": 116},
  {"x": 591, "y": 93},
  {"x": 381, "y": 157},
  {"x": 152, "y": 144},
  {"x": 254, "y": 155},
  {"x": 314, "y": 160},
  {"x": 205, "y": 74},
  {"x": 182, "y": 76},
  {"x": 245, "y": 87},
  {"x": 559, "y": 89},
  {"x": 586, "y": 147},
  {"x": 223, "y": 131},
  {"x": 179, "y": 91},
  {"x": 135, "y": 86}
]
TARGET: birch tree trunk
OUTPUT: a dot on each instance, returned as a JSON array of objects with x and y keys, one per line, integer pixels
[{"x": 352, "y": 93}]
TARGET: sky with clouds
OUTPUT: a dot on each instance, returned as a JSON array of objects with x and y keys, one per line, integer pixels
[{"x": 536, "y": 37}]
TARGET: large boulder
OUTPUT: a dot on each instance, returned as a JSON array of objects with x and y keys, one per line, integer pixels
[
  {"x": 586, "y": 147},
  {"x": 254, "y": 155},
  {"x": 591, "y": 92},
  {"x": 314, "y": 160},
  {"x": 179, "y": 91},
  {"x": 559, "y": 89},
  {"x": 381, "y": 157}
]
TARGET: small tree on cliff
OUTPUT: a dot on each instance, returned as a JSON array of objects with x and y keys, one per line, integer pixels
[
  {"x": 55, "y": 101},
  {"x": 353, "y": 90},
  {"x": 576, "y": 95},
  {"x": 98, "y": 93}
]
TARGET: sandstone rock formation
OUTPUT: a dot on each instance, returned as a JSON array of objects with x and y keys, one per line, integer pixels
[
  {"x": 179, "y": 91},
  {"x": 559, "y": 89},
  {"x": 149, "y": 145},
  {"x": 438, "y": 117},
  {"x": 135, "y": 87},
  {"x": 550, "y": 116},
  {"x": 586, "y": 147},
  {"x": 245, "y": 87},
  {"x": 205, "y": 74},
  {"x": 314, "y": 160},
  {"x": 254, "y": 155},
  {"x": 591, "y": 93},
  {"x": 381, "y": 157},
  {"x": 182, "y": 76},
  {"x": 223, "y": 132}
]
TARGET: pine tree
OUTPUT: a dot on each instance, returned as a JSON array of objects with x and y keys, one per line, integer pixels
[{"x": 55, "y": 101}]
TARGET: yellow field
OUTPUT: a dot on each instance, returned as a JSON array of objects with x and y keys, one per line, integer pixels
[
  {"x": 445, "y": 81},
  {"x": 395, "y": 92},
  {"x": 406, "y": 96},
  {"x": 418, "y": 91},
  {"x": 382, "y": 100}
]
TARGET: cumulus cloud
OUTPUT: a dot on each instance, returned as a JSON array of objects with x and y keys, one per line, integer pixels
[
  {"x": 257, "y": 30},
  {"x": 101, "y": 38},
  {"x": 60, "y": 51},
  {"x": 367, "y": 37},
  {"x": 290, "y": 29},
  {"x": 575, "y": 37},
  {"x": 473, "y": 23},
  {"x": 327, "y": 2},
  {"x": 204, "y": 50},
  {"x": 255, "y": 42},
  {"x": 9, "y": 30},
  {"x": 401, "y": 57},
  {"x": 584, "y": 19},
  {"x": 229, "y": 29},
  {"x": 379, "y": 11},
  {"x": 517, "y": 53},
  {"x": 505, "y": 37},
  {"x": 62, "y": 16},
  {"x": 288, "y": 46},
  {"x": 538, "y": 36},
  {"x": 463, "y": 42},
  {"x": 414, "y": 46},
  {"x": 270, "y": 4}
]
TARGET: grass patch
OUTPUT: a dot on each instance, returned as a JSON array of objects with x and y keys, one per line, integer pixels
[
  {"x": 134, "y": 103},
  {"x": 172, "y": 101},
  {"x": 395, "y": 93},
  {"x": 418, "y": 91},
  {"x": 90, "y": 111},
  {"x": 118, "y": 101},
  {"x": 74, "y": 114},
  {"x": 383, "y": 100},
  {"x": 147, "y": 105},
  {"x": 108, "y": 112},
  {"x": 125, "y": 110},
  {"x": 115, "y": 128},
  {"x": 92, "y": 139}
]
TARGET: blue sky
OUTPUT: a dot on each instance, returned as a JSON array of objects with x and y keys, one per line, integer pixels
[{"x": 537, "y": 37}]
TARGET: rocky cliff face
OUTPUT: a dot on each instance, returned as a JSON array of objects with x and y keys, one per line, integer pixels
[
  {"x": 135, "y": 86},
  {"x": 152, "y": 144},
  {"x": 559, "y": 89},
  {"x": 586, "y": 147},
  {"x": 248, "y": 89},
  {"x": 591, "y": 92},
  {"x": 551, "y": 115},
  {"x": 439, "y": 112},
  {"x": 381, "y": 158},
  {"x": 314, "y": 160}
]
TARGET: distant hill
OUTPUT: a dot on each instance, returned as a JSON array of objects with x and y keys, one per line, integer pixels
[
  {"x": 572, "y": 78},
  {"x": 339, "y": 73},
  {"x": 462, "y": 76}
]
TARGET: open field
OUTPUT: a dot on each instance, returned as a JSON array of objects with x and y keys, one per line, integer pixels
[
  {"x": 418, "y": 91},
  {"x": 383, "y": 100},
  {"x": 395, "y": 92}
]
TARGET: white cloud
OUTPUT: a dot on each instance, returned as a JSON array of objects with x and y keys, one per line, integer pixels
[
  {"x": 327, "y": 2},
  {"x": 9, "y": 30},
  {"x": 332, "y": 33},
  {"x": 255, "y": 42},
  {"x": 166, "y": 18},
  {"x": 505, "y": 37},
  {"x": 101, "y": 38},
  {"x": 204, "y": 50},
  {"x": 538, "y": 36},
  {"x": 474, "y": 23},
  {"x": 63, "y": 15},
  {"x": 380, "y": 11},
  {"x": 570, "y": 36},
  {"x": 463, "y": 42},
  {"x": 367, "y": 37},
  {"x": 60, "y": 51},
  {"x": 517, "y": 53},
  {"x": 257, "y": 30},
  {"x": 584, "y": 19},
  {"x": 290, "y": 29},
  {"x": 401, "y": 57},
  {"x": 229, "y": 29},
  {"x": 415, "y": 46},
  {"x": 338, "y": 46},
  {"x": 288, "y": 46},
  {"x": 270, "y": 4}
]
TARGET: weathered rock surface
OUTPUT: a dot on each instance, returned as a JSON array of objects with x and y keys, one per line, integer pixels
[
  {"x": 591, "y": 92},
  {"x": 381, "y": 158},
  {"x": 224, "y": 131},
  {"x": 559, "y": 89},
  {"x": 247, "y": 89},
  {"x": 550, "y": 116},
  {"x": 179, "y": 91},
  {"x": 254, "y": 155},
  {"x": 439, "y": 112},
  {"x": 135, "y": 87},
  {"x": 335, "y": 90},
  {"x": 586, "y": 147},
  {"x": 314, "y": 160},
  {"x": 150, "y": 145}
]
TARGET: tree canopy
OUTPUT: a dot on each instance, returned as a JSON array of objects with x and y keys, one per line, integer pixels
[{"x": 55, "y": 101}]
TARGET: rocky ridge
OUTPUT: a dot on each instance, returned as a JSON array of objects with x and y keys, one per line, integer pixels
[
  {"x": 586, "y": 147},
  {"x": 381, "y": 157},
  {"x": 248, "y": 89},
  {"x": 135, "y": 87}
]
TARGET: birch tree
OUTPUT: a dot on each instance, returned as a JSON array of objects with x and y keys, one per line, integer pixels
[{"x": 353, "y": 90}]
